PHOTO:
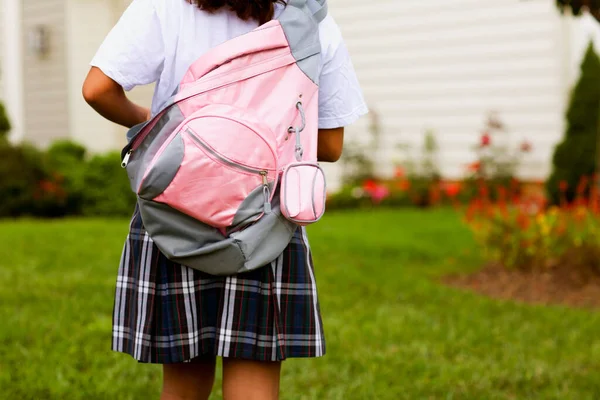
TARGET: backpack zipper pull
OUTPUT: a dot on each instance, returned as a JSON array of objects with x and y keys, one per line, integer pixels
[
  {"x": 126, "y": 159},
  {"x": 266, "y": 192}
]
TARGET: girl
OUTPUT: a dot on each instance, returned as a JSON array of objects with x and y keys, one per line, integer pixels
[{"x": 169, "y": 314}]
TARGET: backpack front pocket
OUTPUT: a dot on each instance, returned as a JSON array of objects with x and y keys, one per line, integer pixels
[{"x": 227, "y": 168}]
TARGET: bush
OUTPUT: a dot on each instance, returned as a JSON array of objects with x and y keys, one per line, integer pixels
[
  {"x": 67, "y": 160},
  {"x": 24, "y": 185},
  {"x": 4, "y": 124},
  {"x": 62, "y": 181},
  {"x": 575, "y": 157},
  {"x": 107, "y": 191}
]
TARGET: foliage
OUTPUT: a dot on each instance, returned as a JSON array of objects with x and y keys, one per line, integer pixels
[
  {"x": 67, "y": 160},
  {"x": 419, "y": 171},
  {"x": 107, "y": 190},
  {"x": 5, "y": 126},
  {"x": 418, "y": 181},
  {"x": 392, "y": 331},
  {"x": 576, "y": 156},
  {"x": 358, "y": 160},
  {"x": 578, "y": 6},
  {"x": 62, "y": 181},
  {"x": 21, "y": 180},
  {"x": 497, "y": 159},
  {"x": 523, "y": 232}
]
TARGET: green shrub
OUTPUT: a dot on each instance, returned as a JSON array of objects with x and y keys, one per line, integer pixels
[
  {"x": 67, "y": 160},
  {"x": 20, "y": 178},
  {"x": 575, "y": 157},
  {"x": 4, "y": 123},
  {"x": 106, "y": 187}
]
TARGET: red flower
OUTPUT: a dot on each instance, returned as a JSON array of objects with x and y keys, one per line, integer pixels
[
  {"x": 486, "y": 139},
  {"x": 452, "y": 189},
  {"x": 526, "y": 147},
  {"x": 582, "y": 186},
  {"x": 563, "y": 186},
  {"x": 369, "y": 185}
]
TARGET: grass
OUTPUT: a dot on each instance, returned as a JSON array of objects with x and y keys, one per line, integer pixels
[{"x": 393, "y": 332}]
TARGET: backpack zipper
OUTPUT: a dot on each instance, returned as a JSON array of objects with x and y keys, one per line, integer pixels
[
  {"x": 126, "y": 159},
  {"x": 227, "y": 161}
]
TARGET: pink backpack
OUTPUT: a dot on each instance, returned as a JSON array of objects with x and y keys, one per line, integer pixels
[{"x": 226, "y": 172}]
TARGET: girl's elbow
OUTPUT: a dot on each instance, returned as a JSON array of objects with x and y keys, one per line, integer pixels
[
  {"x": 90, "y": 93},
  {"x": 330, "y": 155},
  {"x": 335, "y": 155}
]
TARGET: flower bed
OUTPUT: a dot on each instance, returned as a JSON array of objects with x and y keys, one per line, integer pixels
[{"x": 537, "y": 252}]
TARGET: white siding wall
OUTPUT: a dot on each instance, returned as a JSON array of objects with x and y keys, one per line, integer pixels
[
  {"x": 12, "y": 65},
  {"x": 45, "y": 79},
  {"x": 2, "y": 39},
  {"x": 87, "y": 127},
  {"x": 444, "y": 65},
  {"x": 84, "y": 37}
]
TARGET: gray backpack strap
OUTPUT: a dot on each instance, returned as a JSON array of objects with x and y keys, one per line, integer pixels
[{"x": 322, "y": 11}]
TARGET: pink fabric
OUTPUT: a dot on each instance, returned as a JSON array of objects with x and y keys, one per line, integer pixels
[
  {"x": 267, "y": 37},
  {"x": 303, "y": 193},
  {"x": 209, "y": 191}
]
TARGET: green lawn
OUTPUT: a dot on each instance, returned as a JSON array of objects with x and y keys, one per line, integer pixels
[{"x": 393, "y": 332}]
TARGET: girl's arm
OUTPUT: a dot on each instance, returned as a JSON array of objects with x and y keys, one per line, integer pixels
[
  {"x": 108, "y": 98},
  {"x": 331, "y": 142}
]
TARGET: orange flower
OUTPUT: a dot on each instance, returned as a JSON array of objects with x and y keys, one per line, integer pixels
[
  {"x": 523, "y": 220},
  {"x": 475, "y": 167},
  {"x": 399, "y": 173},
  {"x": 452, "y": 189},
  {"x": 563, "y": 186},
  {"x": 404, "y": 185}
]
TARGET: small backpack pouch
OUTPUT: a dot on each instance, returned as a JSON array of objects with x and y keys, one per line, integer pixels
[
  {"x": 303, "y": 187},
  {"x": 303, "y": 192}
]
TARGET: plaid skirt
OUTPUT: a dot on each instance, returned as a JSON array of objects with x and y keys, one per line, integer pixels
[{"x": 167, "y": 313}]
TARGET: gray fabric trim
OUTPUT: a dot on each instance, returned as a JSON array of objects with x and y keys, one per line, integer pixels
[
  {"x": 322, "y": 12},
  {"x": 189, "y": 242},
  {"x": 250, "y": 208},
  {"x": 302, "y": 32},
  {"x": 150, "y": 145},
  {"x": 264, "y": 241},
  {"x": 164, "y": 170}
]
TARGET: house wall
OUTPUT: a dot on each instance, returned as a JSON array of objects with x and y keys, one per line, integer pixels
[
  {"x": 2, "y": 50},
  {"x": 84, "y": 38},
  {"x": 45, "y": 94},
  {"x": 443, "y": 65},
  {"x": 11, "y": 66}
]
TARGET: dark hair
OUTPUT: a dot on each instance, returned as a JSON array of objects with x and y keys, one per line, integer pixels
[{"x": 259, "y": 10}]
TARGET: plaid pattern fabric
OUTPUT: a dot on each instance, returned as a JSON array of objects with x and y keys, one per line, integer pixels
[{"x": 167, "y": 313}]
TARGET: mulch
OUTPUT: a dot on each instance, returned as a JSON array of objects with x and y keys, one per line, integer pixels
[{"x": 560, "y": 285}]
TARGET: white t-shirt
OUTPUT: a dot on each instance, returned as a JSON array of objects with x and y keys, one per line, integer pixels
[{"x": 158, "y": 40}]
